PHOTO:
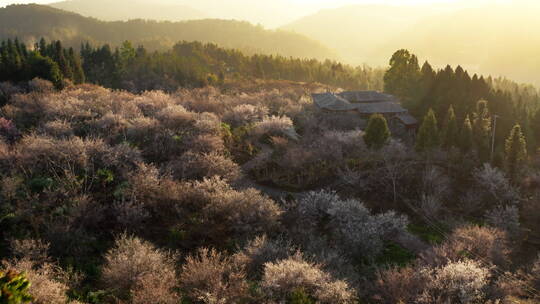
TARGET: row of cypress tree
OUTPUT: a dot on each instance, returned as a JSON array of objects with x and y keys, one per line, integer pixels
[{"x": 465, "y": 139}]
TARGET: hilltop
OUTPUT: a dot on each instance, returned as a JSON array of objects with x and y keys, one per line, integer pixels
[
  {"x": 73, "y": 29},
  {"x": 128, "y": 9}
]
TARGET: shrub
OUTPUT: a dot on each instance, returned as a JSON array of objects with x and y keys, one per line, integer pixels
[
  {"x": 431, "y": 206},
  {"x": 281, "y": 279},
  {"x": 361, "y": 230},
  {"x": 494, "y": 187},
  {"x": 273, "y": 125},
  {"x": 57, "y": 129},
  {"x": 532, "y": 277},
  {"x": 131, "y": 214},
  {"x": 109, "y": 127},
  {"x": 244, "y": 114},
  {"x": 335, "y": 146},
  {"x": 151, "y": 102},
  {"x": 40, "y": 85},
  {"x": 199, "y": 166},
  {"x": 397, "y": 285},
  {"x": 260, "y": 251},
  {"x": 505, "y": 218},
  {"x": 488, "y": 244},
  {"x": 243, "y": 213},
  {"x": 46, "y": 286},
  {"x": 435, "y": 183},
  {"x": 458, "y": 282},
  {"x": 7, "y": 90},
  {"x": 35, "y": 250},
  {"x": 210, "y": 277},
  {"x": 348, "y": 222},
  {"x": 176, "y": 117},
  {"x": 136, "y": 269},
  {"x": 8, "y": 130}
]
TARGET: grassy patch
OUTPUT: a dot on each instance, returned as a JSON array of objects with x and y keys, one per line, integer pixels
[
  {"x": 429, "y": 234},
  {"x": 394, "y": 254}
]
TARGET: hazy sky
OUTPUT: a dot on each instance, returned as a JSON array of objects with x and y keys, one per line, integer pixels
[
  {"x": 273, "y": 13},
  {"x": 312, "y": 3}
]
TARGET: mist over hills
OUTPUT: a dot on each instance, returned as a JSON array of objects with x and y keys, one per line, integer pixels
[
  {"x": 358, "y": 31},
  {"x": 268, "y": 13},
  {"x": 72, "y": 29},
  {"x": 108, "y": 10},
  {"x": 495, "y": 38}
]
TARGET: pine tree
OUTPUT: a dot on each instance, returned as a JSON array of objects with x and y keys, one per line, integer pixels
[
  {"x": 535, "y": 125},
  {"x": 428, "y": 135},
  {"x": 42, "y": 47},
  {"x": 482, "y": 130},
  {"x": 515, "y": 151},
  {"x": 377, "y": 132},
  {"x": 450, "y": 130},
  {"x": 75, "y": 63},
  {"x": 466, "y": 136}
]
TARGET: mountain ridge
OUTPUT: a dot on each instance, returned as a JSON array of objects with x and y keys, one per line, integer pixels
[
  {"x": 123, "y": 10},
  {"x": 488, "y": 39},
  {"x": 74, "y": 29}
]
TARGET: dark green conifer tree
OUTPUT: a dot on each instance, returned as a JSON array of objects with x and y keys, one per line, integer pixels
[
  {"x": 377, "y": 132},
  {"x": 450, "y": 130},
  {"x": 515, "y": 151},
  {"x": 466, "y": 136},
  {"x": 482, "y": 130},
  {"x": 428, "y": 135},
  {"x": 403, "y": 77},
  {"x": 77, "y": 70}
]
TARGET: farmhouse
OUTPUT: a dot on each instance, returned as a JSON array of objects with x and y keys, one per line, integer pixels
[{"x": 367, "y": 103}]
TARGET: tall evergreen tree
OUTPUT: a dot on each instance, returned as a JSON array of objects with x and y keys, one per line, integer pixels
[
  {"x": 403, "y": 77},
  {"x": 482, "y": 130},
  {"x": 450, "y": 130},
  {"x": 428, "y": 135},
  {"x": 77, "y": 70},
  {"x": 59, "y": 55},
  {"x": 377, "y": 132},
  {"x": 43, "y": 46},
  {"x": 45, "y": 68},
  {"x": 466, "y": 136},
  {"x": 515, "y": 151},
  {"x": 535, "y": 126}
]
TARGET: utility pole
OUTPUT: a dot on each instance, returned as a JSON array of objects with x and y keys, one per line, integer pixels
[{"x": 493, "y": 136}]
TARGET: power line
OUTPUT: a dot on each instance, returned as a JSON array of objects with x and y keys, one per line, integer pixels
[{"x": 527, "y": 288}]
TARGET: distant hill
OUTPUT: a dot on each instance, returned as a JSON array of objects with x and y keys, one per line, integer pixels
[
  {"x": 130, "y": 9},
  {"x": 493, "y": 38},
  {"x": 358, "y": 31},
  {"x": 30, "y": 22},
  {"x": 497, "y": 40}
]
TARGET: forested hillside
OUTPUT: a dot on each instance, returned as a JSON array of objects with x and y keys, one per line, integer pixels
[
  {"x": 73, "y": 29},
  {"x": 187, "y": 64}
]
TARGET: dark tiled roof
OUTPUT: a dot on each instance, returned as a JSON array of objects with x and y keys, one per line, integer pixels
[
  {"x": 379, "y": 107},
  {"x": 374, "y": 102},
  {"x": 330, "y": 101},
  {"x": 367, "y": 96},
  {"x": 407, "y": 119}
]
